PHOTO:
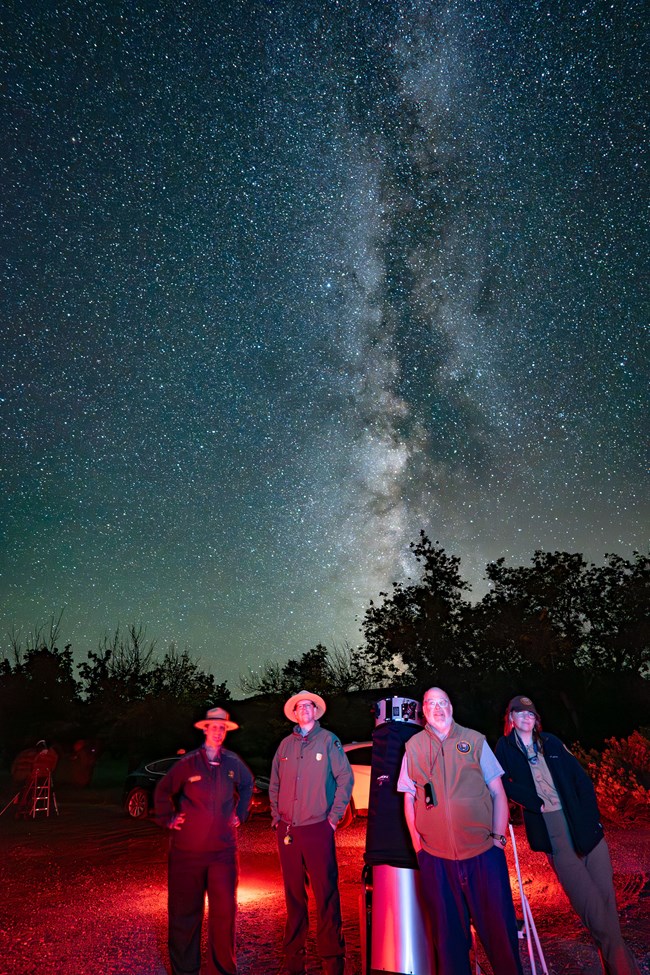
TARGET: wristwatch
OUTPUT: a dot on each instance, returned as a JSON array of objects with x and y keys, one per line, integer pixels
[{"x": 499, "y": 836}]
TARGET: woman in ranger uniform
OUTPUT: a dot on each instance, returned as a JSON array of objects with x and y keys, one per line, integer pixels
[
  {"x": 202, "y": 800},
  {"x": 562, "y": 820}
]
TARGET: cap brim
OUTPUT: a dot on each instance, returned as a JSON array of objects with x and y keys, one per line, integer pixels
[{"x": 230, "y": 725}]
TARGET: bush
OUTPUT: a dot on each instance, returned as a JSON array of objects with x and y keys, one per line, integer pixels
[{"x": 621, "y": 775}]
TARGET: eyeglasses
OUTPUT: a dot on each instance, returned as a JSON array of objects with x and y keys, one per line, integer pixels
[
  {"x": 525, "y": 714},
  {"x": 303, "y": 704},
  {"x": 440, "y": 702}
]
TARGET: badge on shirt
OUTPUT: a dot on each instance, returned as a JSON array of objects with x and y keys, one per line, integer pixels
[
  {"x": 464, "y": 747},
  {"x": 231, "y": 774},
  {"x": 194, "y": 778},
  {"x": 319, "y": 756}
]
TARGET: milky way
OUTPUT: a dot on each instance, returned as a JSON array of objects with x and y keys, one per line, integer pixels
[{"x": 284, "y": 283}]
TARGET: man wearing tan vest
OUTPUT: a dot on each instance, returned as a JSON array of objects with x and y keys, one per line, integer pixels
[{"x": 457, "y": 814}]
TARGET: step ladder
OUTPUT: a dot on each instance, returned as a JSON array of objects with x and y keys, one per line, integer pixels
[{"x": 38, "y": 795}]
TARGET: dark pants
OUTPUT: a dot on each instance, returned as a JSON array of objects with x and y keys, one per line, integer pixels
[
  {"x": 191, "y": 875},
  {"x": 476, "y": 890},
  {"x": 311, "y": 858}
]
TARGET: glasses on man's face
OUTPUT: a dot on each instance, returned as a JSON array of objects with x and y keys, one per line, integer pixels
[
  {"x": 438, "y": 702},
  {"x": 302, "y": 705},
  {"x": 525, "y": 714}
]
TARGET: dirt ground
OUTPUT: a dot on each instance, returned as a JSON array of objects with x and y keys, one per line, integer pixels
[{"x": 84, "y": 893}]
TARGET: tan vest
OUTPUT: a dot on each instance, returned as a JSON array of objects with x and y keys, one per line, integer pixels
[{"x": 456, "y": 821}]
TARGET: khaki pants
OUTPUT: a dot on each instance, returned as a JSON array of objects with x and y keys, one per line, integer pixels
[{"x": 589, "y": 884}]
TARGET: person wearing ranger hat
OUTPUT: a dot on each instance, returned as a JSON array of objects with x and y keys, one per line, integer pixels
[
  {"x": 219, "y": 716},
  {"x": 562, "y": 820},
  {"x": 202, "y": 800},
  {"x": 310, "y": 788}
]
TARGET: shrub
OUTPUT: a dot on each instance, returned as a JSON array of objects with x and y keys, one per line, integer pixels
[{"x": 621, "y": 775}]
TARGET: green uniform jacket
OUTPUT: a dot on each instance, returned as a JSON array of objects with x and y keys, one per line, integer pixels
[{"x": 311, "y": 779}]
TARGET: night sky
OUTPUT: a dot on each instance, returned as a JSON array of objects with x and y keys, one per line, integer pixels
[{"x": 283, "y": 283}]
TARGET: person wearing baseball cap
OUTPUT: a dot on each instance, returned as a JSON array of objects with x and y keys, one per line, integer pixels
[
  {"x": 562, "y": 820},
  {"x": 310, "y": 788},
  {"x": 202, "y": 800}
]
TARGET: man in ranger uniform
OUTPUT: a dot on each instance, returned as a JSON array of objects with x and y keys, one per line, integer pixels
[
  {"x": 310, "y": 788},
  {"x": 457, "y": 814}
]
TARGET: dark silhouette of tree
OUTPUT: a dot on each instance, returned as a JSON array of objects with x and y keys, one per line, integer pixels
[
  {"x": 120, "y": 669},
  {"x": 311, "y": 671},
  {"x": 617, "y": 605},
  {"x": 180, "y": 678},
  {"x": 114, "y": 680},
  {"x": 419, "y": 629},
  {"x": 267, "y": 679},
  {"x": 139, "y": 704},
  {"x": 349, "y": 671},
  {"x": 39, "y": 696},
  {"x": 336, "y": 671},
  {"x": 533, "y": 616}
]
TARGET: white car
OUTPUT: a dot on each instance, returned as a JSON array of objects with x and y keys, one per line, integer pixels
[{"x": 360, "y": 758}]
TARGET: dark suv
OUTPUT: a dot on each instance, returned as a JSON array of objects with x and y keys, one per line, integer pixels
[{"x": 140, "y": 784}]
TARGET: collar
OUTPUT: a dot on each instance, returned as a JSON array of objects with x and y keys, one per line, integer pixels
[
  {"x": 452, "y": 733},
  {"x": 310, "y": 734},
  {"x": 216, "y": 757}
]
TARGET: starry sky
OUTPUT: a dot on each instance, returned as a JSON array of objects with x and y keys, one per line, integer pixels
[{"x": 284, "y": 282}]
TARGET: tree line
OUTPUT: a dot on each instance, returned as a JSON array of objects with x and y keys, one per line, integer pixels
[
  {"x": 576, "y": 634},
  {"x": 558, "y": 614},
  {"x": 124, "y": 695}
]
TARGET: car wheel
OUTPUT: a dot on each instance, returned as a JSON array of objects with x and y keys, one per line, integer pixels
[
  {"x": 347, "y": 816},
  {"x": 137, "y": 803}
]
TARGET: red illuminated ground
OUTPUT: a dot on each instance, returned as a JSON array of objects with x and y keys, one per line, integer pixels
[{"x": 85, "y": 894}]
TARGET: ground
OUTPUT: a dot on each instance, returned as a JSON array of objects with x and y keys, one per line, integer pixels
[{"x": 84, "y": 893}]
